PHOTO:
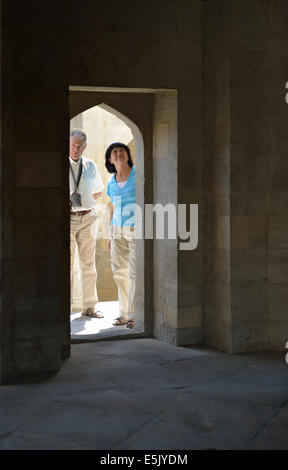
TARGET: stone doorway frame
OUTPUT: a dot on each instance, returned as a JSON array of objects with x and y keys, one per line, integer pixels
[{"x": 152, "y": 140}]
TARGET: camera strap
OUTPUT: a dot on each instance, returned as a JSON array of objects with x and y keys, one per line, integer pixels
[{"x": 78, "y": 176}]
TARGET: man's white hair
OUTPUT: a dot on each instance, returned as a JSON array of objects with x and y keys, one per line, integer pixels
[{"x": 78, "y": 134}]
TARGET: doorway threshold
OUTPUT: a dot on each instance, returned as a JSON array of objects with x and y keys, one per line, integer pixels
[{"x": 85, "y": 329}]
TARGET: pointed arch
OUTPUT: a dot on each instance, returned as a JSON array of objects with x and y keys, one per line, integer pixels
[
  {"x": 139, "y": 167},
  {"x": 139, "y": 149}
]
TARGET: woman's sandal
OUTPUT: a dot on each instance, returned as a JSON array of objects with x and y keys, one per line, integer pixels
[
  {"x": 130, "y": 324},
  {"x": 119, "y": 321}
]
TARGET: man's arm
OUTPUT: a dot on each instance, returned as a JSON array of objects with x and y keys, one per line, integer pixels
[{"x": 97, "y": 195}]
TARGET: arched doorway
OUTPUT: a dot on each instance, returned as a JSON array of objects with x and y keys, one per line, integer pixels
[{"x": 103, "y": 125}]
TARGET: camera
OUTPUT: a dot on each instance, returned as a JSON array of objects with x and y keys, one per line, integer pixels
[{"x": 75, "y": 200}]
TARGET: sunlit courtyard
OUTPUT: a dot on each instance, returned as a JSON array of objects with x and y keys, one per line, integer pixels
[{"x": 84, "y": 328}]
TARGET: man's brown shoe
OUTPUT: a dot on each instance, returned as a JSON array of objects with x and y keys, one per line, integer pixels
[{"x": 92, "y": 313}]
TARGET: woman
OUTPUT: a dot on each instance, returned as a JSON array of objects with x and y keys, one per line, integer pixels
[{"x": 122, "y": 191}]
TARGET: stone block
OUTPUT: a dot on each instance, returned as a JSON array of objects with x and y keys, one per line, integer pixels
[
  {"x": 28, "y": 60},
  {"x": 52, "y": 49},
  {"x": 103, "y": 256},
  {"x": 28, "y": 139},
  {"x": 250, "y": 336},
  {"x": 28, "y": 94},
  {"x": 238, "y": 171},
  {"x": 171, "y": 289},
  {"x": 238, "y": 201},
  {"x": 249, "y": 302},
  {"x": 170, "y": 258},
  {"x": 160, "y": 140},
  {"x": 158, "y": 274},
  {"x": 183, "y": 317},
  {"x": 217, "y": 266},
  {"x": 189, "y": 336},
  {"x": 170, "y": 316},
  {"x": 278, "y": 172},
  {"x": 190, "y": 175},
  {"x": 256, "y": 174},
  {"x": 38, "y": 169},
  {"x": 258, "y": 231},
  {"x": 278, "y": 266},
  {"x": 108, "y": 278},
  {"x": 240, "y": 232},
  {"x": 278, "y": 202},
  {"x": 107, "y": 295},
  {"x": 190, "y": 317},
  {"x": 257, "y": 202},
  {"x": 100, "y": 278},
  {"x": 190, "y": 293},
  {"x": 40, "y": 236},
  {"x": 217, "y": 135},
  {"x": 216, "y": 204},
  {"x": 20, "y": 277},
  {"x": 217, "y": 334},
  {"x": 36, "y": 317},
  {"x": 165, "y": 106},
  {"x": 55, "y": 136},
  {"x": 216, "y": 175},
  {"x": 249, "y": 266},
  {"x": 7, "y": 320},
  {"x": 216, "y": 301},
  {"x": 50, "y": 275},
  {"x": 248, "y": 76},
  {"x": 278, "y": 232},
  {"x": 278, "y": 334},
  {"x": 38, "y": 202},
  {"x": 278, "y": 303},
  {"x": 37, "y": 355},
  {"x": 7, "y": 238},
  {"x": 249, "y": 231},
  {"x": 216, "y": 232},
  {"x": 190, "y": 265},
  {"x": 165, "y": 188}
]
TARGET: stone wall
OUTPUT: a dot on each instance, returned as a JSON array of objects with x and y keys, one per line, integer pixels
[
  {"x": 165, "y": 185},
  {"x": 216, "y": 177},
  {"x": 245, "y": 147},
  {"x": 35, "y": 208},
  {"x": 228, "y": 62}
]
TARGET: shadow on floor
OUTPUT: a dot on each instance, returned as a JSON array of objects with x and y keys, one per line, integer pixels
[{"x": 144, "y": 394}]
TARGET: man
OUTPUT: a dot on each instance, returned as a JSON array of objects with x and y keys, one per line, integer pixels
[{"x": 85, "y": 188}]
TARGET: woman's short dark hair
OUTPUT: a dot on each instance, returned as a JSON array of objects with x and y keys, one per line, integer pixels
[{"x": 110, "y": 167}]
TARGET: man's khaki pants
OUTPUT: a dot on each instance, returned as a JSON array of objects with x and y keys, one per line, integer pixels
[
  {"x": 123, "y": 264},
  {"x": 83, "y": 232}
]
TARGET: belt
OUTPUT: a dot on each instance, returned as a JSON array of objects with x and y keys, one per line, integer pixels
[{"x": 80, "y": 212}]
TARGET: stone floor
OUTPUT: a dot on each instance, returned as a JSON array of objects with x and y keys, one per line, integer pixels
[
  {"x": 83, "y": 328},
  {"x": 144, "y": 394}
]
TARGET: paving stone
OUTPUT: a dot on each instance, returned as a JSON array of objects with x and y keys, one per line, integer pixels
[{"x": 144, "y": 394}]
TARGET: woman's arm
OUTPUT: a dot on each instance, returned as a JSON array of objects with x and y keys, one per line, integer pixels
[{"x": 111, "y": 209}]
